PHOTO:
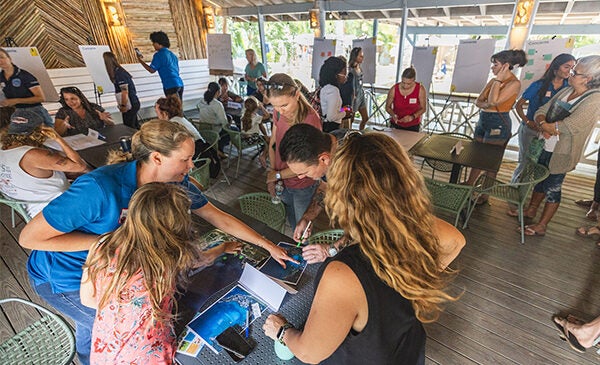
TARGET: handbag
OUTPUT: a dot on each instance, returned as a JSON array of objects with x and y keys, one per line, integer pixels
[{"x": 535, "y": 148}]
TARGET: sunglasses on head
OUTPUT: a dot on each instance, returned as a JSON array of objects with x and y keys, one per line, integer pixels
[{"x": 278, "y": 85}]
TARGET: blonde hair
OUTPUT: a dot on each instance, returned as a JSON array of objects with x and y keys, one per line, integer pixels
[
  {"x": 289, "y": 88},
  {"x": 254, "y": 56},
  {"x": 155, "y": 239},
  {"x": 36, "y": 139},
  {"x": 380, "y": 200},
  {"x": 156, "y": 135}
]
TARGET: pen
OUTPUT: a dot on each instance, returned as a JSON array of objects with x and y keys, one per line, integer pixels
[
  {"x": 247, "y": 322},
  {"x": 304, "y": 234},
  {"x": 556, "y": 127}
]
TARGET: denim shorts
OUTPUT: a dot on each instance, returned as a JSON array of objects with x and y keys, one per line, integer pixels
[
  {"x": 552, "y": 185},
  {"x": 493, "y": 127}
]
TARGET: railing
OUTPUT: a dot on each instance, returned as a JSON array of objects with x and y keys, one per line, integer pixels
[{"x": 458, "y": 113}]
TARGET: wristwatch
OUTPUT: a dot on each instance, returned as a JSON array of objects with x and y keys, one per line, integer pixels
[
  {"x": 278, "y": 175},
  {"x": 281, "y": 332},
  {"x": 332, "y": 251}
]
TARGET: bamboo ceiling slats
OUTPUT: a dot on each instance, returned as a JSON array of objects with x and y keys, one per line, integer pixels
[{"x": 57, "y": 28}]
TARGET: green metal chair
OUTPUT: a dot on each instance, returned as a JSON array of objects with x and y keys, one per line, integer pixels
[
  {"x": 515, "y": 193},
  {"x": 18, "y": 206},
  {"x": 202, "y": 173},
  {"x": 259, "y": 206},
  {"x": 202, "y": 126},
  {"x": 326, "y": 237},
  {"x": 240, "y": 144},
  {"x": 450, "y": 197},
  {"x": 442, "y": 166},
  {"x": 50, "y": 340}
]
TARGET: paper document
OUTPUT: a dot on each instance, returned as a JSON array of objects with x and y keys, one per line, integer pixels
[{"x": 77, "y": 142}]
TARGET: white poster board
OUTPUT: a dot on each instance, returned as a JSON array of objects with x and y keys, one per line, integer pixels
[
  {"x": 219, "y": 53},
  {"x": 472, "y": 66},
  {"x": 539, "y": 56},
  {"x": 369, "y": 49},
  {"x": 92, "y": 56},
  {"x": 322, "y": 50},
  {"x": 29, "y": 59},
  {"x": 423, "y": 60}
]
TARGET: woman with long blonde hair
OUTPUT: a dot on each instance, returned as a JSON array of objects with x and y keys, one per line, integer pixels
[
  {"x": 372, "y": 297},
  {"x": 131, "y": 277}
]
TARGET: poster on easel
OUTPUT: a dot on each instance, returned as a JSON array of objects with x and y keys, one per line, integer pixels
[
  {"x": 322, "y": 50},
  {"x": 472, "y": 66},
  {"x": 220, "y": 60},
  {"x": 29, "y": 59},
  {"x": 369, "y": 49},
  {"x": 423, "y": 60},
  {"x": 94, "y": 63},
  {"x": 539, "y": 56}
]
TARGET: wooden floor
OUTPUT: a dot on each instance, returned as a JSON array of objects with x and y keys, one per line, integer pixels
[{"x": 509, "y": 290}]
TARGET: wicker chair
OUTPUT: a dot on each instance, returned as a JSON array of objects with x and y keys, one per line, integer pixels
[
  {"x": 515, "y": 193},
  {"x": 259, "y": 206},
  {"x": 450, "y": 197},
  {"x": 240, "y": 144},
  {"x": 437, "y": 165},
  {"x": 49, "y": 340},
  {"x": 326, "y": 237},
  {"x": 18, "y": 206}
]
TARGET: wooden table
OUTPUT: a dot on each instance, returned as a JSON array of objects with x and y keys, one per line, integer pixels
[
  {"x": 477, "y": 155},
  {"x": 96, "y": 156},
  {"x": 294, "y": 307}
]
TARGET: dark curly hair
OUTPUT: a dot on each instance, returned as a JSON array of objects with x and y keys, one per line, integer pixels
[
  {"x": 330, "y": 69},
  {"x": 161, "y": 38}
]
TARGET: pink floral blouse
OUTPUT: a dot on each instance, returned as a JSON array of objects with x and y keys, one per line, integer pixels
[{"x": 124, "y": 331}]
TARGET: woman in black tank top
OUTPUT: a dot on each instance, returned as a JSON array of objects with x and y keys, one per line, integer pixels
[{"x": 372, "y": 297}]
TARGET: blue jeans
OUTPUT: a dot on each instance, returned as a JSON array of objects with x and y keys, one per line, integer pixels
[
  {"x": 296, "y": 202},
  {"x": 493, "y": 128},
  {"x": 526, "y": 135},
  {"x": 552, "y": 185},
  {"x": 70, "y": 305}
]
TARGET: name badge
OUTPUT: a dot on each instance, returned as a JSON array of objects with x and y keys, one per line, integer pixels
[
  {"x": 548, "y": 94},
  {"x": 495, "y": 132},
  {"x": 412, "y": 100}
]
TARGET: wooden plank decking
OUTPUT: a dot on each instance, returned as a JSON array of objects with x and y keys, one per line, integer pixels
[{"x": 509, "y": 290}]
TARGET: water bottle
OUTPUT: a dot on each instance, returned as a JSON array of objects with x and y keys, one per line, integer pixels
[{"x": 278, "y": 192}]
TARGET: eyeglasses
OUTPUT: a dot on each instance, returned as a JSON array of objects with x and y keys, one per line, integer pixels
[
  {"x": 277, "y": 85},
  {"x": 574, "y": 73},
  {"x": 351, "y": 135}
]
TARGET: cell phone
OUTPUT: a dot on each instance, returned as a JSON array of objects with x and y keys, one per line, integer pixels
[
  {"x": 137, "y": 52},
  {"x": 234, "y": 343}
]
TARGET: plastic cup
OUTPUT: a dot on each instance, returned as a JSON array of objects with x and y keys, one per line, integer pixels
[{"x": 282, "y": 351}]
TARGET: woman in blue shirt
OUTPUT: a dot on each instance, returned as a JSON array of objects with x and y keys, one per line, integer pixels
[{"x": 537, "y": 94}]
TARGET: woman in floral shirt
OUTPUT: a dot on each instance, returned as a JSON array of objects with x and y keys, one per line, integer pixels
[{"x": 131, "y": 276}]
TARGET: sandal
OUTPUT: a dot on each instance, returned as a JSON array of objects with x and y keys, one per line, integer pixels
[
  {"x": 528, "y": 231},
  {"x": 584, "y": 203},
  {"x": 560, "y": 321},
  {"x": 591, "y": 232}
]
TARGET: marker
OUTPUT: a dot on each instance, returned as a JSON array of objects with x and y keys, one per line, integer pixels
[
  {"x": 304, "y": 234},
  {"x": 247, "y": 322}
]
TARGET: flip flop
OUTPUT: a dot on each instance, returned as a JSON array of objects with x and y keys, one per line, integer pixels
[
  {"x": 570, "y": 318},
  {"x": 572, "y": 341},
  {"x": 531, "y": 232},
  {"x": 587, "y": 232}
]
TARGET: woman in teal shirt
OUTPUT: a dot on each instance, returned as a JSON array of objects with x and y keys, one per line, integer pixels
[{"x": 254, "y": 70}]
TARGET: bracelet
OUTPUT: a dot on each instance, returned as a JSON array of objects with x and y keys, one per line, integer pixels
[{"x": 281, "y": 332}]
